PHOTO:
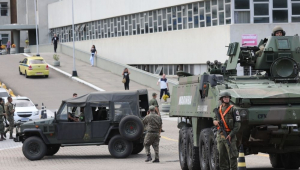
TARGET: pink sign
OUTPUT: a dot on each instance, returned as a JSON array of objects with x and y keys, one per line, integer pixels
[{"x": 249, "y": 40}]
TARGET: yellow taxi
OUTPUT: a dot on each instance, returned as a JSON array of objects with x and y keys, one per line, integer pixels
[{"x": 34, "y": 66}]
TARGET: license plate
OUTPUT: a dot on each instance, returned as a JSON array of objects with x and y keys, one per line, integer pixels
[
  {"x": 24, "y": 119},
  {"x": 39, "y": 73}
]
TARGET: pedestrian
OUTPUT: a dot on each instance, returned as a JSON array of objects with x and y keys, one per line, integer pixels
[
  {"x": 74, "y": 95},
  {"x": 2, "y": 114},
  {"x": 93, "y": 54},
  {"x": 55, "y": 40},
  {"x": 232, "y": 124},
  {"x": 164, "y": 87},
  {"x": 152, "y": 123},
  {"x": 126, "y": 77},
  {"x": 9, "y": 110},
  {"x": 153, "y": 102},
  {"x": 8, "y": 45}
]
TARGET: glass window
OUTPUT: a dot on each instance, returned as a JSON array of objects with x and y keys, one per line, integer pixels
[
  {"x": 215, "y": 22},
  {"x": 190, "y": 16},
  {"x": 179, "y": 18},
  {"x": 154, "y": 16},
  {"x": 190, "y": 6},
  {"x": 228, "y": 11},
  {"x": 242, "y": 4},
  {"x": 4, "y": 38},
  {"x": 179, "y": 27},
  {"x": 202, "y": 24},
  {"x": 295, "y": 19},
  {"x": 174, "y": 12},
  {"x": 184, "y": 22},
  {"x": 213, "y": 2},
  {"x": 279, "y": 3},
  {"x": 201, "y": 4},
  {"x": 261, "y": 9},
  {"x": 122, "y": 109},
  {"x": 221, "y": 18},
  {"x": 159, "y": 20},
  {"x": 228, "y": 21},
  {"x": 261, "y": 19},
  {"x": 208, "y": 20},
  {"x": 23, "y": 103},
  {"x": 190, "y": 25},
  {"x": 195, "y": 8},
  {"x": 169, "y": 19},
  {"x": 165, "y": 25},
  {"x": 36, "y": 61},
  {"x": 214, "y": 12},
  {"x": 164, "y": 14},
  {"x": 174, "y": 24},
  {"x": 150, "y": 22},
  {"x": 207, "y": 6},
  {"x": 4, "y": 9},
  {"x": 221, "y": 4},
  {"x": 241, "y": 17},
  {"x": 295, "y": 8},
  {"x": 201, "y": 14},
  {"x": 171, "y": 70},
  {"x": 227, "y": 1},
  {"x": 280, "y": 16},
  {"x": 196, "y": 21}
]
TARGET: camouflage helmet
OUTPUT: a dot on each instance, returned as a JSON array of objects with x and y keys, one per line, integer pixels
[
  {"x": 278, "y": 28},
  {"x": 224, "y": 93},
  {"x": 152, "y": 108}
]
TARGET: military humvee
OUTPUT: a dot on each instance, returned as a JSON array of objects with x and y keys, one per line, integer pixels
[
  {"x": 268, "y": 103},
  {"x": 105, "y": 118}
]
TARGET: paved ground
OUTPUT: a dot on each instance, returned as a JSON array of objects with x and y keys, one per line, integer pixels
[{"x": 57, "y": 87}]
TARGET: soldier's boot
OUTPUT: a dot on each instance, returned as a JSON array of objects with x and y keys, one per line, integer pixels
[
  {"x": 10, "y": 136},
  {"x": 148, "y": 158},
  {"x": 4, "y": 134},
  {"x": 155, "y": 160}
]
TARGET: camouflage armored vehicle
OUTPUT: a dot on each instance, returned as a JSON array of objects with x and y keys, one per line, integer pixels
[
  {"x": 268, "y": 103},
  {"x": 99, "y": 118}
]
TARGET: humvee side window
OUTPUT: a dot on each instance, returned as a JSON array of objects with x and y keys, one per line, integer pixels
[
  {"x": 122, "y": 109},
  {"x": 100, "y": 112},
  {"x": 64, "y": 113}
]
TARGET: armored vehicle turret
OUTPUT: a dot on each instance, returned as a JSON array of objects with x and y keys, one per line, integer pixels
[{"x": 268, "y": 103}]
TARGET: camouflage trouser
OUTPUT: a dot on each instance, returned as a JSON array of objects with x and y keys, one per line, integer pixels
[
  {"x": 152, "y": 139},
  {"x": 11, "y": 125},
  {"x": 1, "y": 126},
  {"x": 226, "y": 160}
]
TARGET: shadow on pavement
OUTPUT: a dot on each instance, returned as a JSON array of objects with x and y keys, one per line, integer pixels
[{"x": 89, "y": 157}]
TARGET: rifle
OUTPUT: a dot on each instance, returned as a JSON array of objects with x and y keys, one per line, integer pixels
[{"x": 222, "y": 127}]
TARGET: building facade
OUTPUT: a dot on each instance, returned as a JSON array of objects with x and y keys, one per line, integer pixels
[{"x": 5, "y": 14}]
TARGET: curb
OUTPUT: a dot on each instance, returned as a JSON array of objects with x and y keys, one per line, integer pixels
[{"x": 70, "y": 76}]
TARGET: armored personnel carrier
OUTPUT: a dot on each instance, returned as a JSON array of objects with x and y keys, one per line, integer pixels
[{"x": 268, "y": 102}]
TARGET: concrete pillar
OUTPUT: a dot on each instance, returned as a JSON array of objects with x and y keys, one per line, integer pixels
[{"x": 16, "y": 37}]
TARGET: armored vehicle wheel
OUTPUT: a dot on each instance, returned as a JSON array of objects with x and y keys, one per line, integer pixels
[
  {"x": 34, "y": 148},
  {"x": 131, "y": 127},
  {"x": 290, "y": 160},
  {"x": 137, "y": 148},
  {"x": 213, "y": 150},
  {"x": 204, "y": 142},
  {"x": 275, "y": 160},
  {"x": 52, "y": 150},
  {"x": 192, "y": 152},
  {"x": 182, "y": 148},
  {"x": 119, "y": 147}
]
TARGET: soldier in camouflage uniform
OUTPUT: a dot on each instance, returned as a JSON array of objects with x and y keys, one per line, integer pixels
[
  {"x": 152, "y": 123},
  {"x": 153, "y": 102},
  {"x": 2, "y": 114},
  {"x": 10, "y": 117},
  {"x": 231, "y": 120}
]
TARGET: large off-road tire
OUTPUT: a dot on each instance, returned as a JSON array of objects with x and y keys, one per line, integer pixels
[
  {"x": 182, "y": 148},
  {"x": 290, "y": 160},
  {"x": 275, "y": 160},
  {"x": 137, "y": 148},
  {"x": 52, "y": 150},
  {"x": 34, "y": 148},
  {"x": 213, "y": 150},
  {"x": 192, "y": 152},
  {"x": 131, "y": 127},
  {"x": 120, "y": 147},
  {"x": 204, "y": 141}
]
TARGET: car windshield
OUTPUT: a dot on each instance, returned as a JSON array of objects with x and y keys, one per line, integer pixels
[
  {"x": 37, "y": 62},
  {"x": 23, "y": 103},
  {"x": 3, "y": 94}
]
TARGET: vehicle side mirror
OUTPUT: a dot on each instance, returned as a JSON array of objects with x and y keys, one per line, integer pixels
[{"x": 36, "y": 105}]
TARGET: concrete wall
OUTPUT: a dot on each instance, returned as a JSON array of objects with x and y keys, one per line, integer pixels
[
  {"x": 5, "y": 19},
  {"x": 100, "y": 9},
  {"x": 191, "y": 46},
  {"x": 136, "y": 75}
]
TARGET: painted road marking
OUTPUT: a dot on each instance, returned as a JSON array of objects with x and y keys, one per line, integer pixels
[{"x": 169, "y": 139}]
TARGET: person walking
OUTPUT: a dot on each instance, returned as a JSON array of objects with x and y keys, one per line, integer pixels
[
  {"x": 2, "y": 114},
  {"x": 93, "y": 54},
  {"x": 126, "y": 77},
  {"x": 232, "y": 123},
  {"x": 9, "y": 110},
  {"x": 153, "y": 102},
  {"x": 55, "y": 42},
  {"x": 8, "y": 45},
  {"x": 152, "y": 123},
  {"x": 164, "y": 87}
]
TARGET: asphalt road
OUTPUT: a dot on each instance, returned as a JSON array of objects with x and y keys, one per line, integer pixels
[{"x": 52, "y": 91}]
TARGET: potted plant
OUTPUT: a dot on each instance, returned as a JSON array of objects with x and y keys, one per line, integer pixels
[
  {"x": 27, "y": 49},
  {"x": 3, "y": 51},
  {"x": 13, "y": 49},
  {"x": 56, "y": 60}
]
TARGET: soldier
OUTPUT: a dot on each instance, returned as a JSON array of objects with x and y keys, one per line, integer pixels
[
  {"x": 10, "y": 117},
  {"x": 152, "y": 123},
  {"x": 154, "y": 103},
  {"x": 2, "y": 114},
  {"x": 231, "y": 120}
]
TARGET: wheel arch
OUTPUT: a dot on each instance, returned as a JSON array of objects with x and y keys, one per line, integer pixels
[{"x": 35, "y": 132}]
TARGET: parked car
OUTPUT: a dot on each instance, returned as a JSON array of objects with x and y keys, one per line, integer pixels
[
  {"x": 34, "y": 66},
  {"x": 25, "y": 109}
]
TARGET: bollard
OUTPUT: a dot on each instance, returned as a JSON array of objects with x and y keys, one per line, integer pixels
[{"x": 241, "y": 159}]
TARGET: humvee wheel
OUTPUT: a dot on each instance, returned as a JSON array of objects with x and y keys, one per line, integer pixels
[
  {"x": 213, "y": 150},
  {"x": 204, "y": 142},
  {"x": 131, "y": 128},
  {"x": 192, "y": 152},
  {"x": 290, "y": 160},
  {"x": 275, "y": 160},
  {"x": 137, "y": 148},
  {"x": 182, "y": 148},
  {"x": 34, "y": 148},
  {"x": 119, "y": 147},
  {"x": 52, "y": 150}
]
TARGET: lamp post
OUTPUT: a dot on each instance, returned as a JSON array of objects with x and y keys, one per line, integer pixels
[
  {"x": 74, "y": 73},
  {"x": 36, "y": 30}
]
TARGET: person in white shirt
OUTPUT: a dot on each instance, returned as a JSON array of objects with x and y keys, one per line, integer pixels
[{"x": 164, "y": 87}]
